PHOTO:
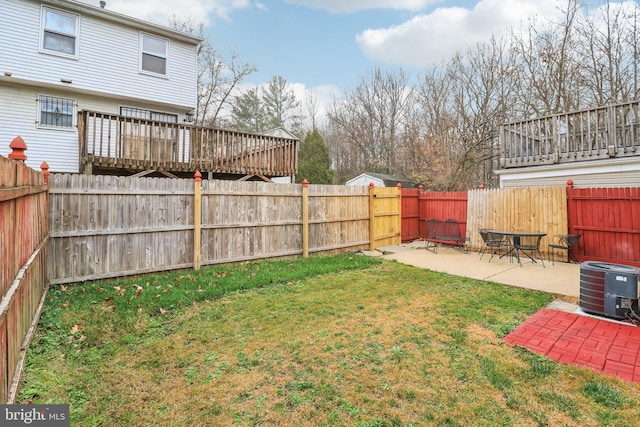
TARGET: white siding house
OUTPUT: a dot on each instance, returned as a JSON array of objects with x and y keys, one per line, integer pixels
[
  {"x": 379, "y": 180},
  {"x": 59, "y": 57}
]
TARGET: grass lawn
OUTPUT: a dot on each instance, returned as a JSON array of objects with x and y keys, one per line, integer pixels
[{"x": 345, "y": 340}]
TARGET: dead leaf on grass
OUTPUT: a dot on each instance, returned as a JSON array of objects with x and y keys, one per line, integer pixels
[{"x": 139, "y": 290}]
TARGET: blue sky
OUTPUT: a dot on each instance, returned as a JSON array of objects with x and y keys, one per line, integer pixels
[{"x": 327, "y": 46}]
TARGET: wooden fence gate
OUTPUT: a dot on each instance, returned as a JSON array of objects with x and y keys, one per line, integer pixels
[{"x": 385, "y": 216}]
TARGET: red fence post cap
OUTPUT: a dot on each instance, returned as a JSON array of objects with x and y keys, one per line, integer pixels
[
  {"x": 482, "y": 186},
  {"x": 45, "y": 171},
  {"x": 198, "y": 176},
  {"x": 570, "y": 183},
  {"x": 305, "y": 183},
  {"x": 18, "y": 147},
  {"x": 421, "y": 187},
  {"x": 400, "y": 185}
]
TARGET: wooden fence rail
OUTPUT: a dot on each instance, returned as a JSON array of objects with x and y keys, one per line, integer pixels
[
  {"x": 104, "y": 226},
  {"x": 23, "y": 277}
]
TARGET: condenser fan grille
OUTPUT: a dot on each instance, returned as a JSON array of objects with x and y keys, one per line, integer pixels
[{"x": 608, "y": 289}]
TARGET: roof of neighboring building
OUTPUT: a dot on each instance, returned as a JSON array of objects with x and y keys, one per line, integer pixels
[
  {"x": 280, "y": 132},
  {"x": 389, "y": 180},
  {"x": 110, "y": 15}
]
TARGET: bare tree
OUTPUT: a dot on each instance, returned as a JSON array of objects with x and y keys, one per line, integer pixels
[
  {"x": 609, "y": 42},
  {"x": 443, "y": 133},
  {"x": 550, "y": 65},
  {"x": 311, "y": 108},
  {"x": 462, "y": 104},
  {"x": 217, "y": 77},
  {"x": 370, "y": 120}
]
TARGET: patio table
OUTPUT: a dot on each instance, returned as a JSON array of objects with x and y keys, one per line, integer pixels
[{"x": 522, "y": 242}]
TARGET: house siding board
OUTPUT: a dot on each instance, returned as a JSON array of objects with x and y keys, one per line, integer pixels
[
  {"x": 105, "y": 49},
  {"x": 612, "y": 179}
]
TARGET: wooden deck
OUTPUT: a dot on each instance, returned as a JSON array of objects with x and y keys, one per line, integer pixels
[
  {"x": 598, "y": 133},
  {"x": 111, "y": 143}
]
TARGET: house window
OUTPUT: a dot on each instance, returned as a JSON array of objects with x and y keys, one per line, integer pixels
[
  {"x": 59, "y": 32},
  {"x": 154, "y": 54},
  {"x": 54, "y": 112},
  {"x": 148, "y": 115}
]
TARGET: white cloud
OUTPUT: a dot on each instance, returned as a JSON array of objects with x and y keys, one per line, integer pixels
[
  {"x": 261, "y": 6},
  {"x": 161, "y": 11},
  {"x": 347, "y": 6},
  {"x": 428, "y": 39}
]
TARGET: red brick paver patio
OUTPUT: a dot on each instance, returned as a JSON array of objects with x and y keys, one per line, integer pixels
[{"x": 604, "y": 346}]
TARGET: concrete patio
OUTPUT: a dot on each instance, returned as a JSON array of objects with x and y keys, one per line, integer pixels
[{"x": 561, "y": 278}]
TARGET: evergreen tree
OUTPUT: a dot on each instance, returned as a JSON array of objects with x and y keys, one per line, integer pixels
[
  {"x": 314, "y": 162},
  {"x": 248, "y": 113},
  {"x": 279, "y": 102}
]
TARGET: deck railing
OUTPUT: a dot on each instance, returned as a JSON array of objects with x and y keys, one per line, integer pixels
[
  {"x": 111, "y": 141},
  {"x": 598, "y": 133}
]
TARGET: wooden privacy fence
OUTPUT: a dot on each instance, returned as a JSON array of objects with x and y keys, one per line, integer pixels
[
  {"x": 541, "y": 209},
  {"x": 529, "y": 209},
  {"x": 419, "y": 205},
  {"x": 609, "y": 221},
  {"x": 607, "y": 218},
  {"x": 103, "y": 226},
  {"x": 23, "y": 248},
  {"x": 443, "y": 205}
]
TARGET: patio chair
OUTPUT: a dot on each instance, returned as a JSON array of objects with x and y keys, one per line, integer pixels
[
  {"x": 564, "y": 242},
  {"x": 491, "y": 241}
]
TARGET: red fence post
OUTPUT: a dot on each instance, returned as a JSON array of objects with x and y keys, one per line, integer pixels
[{"x": 45, "y": 171}]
